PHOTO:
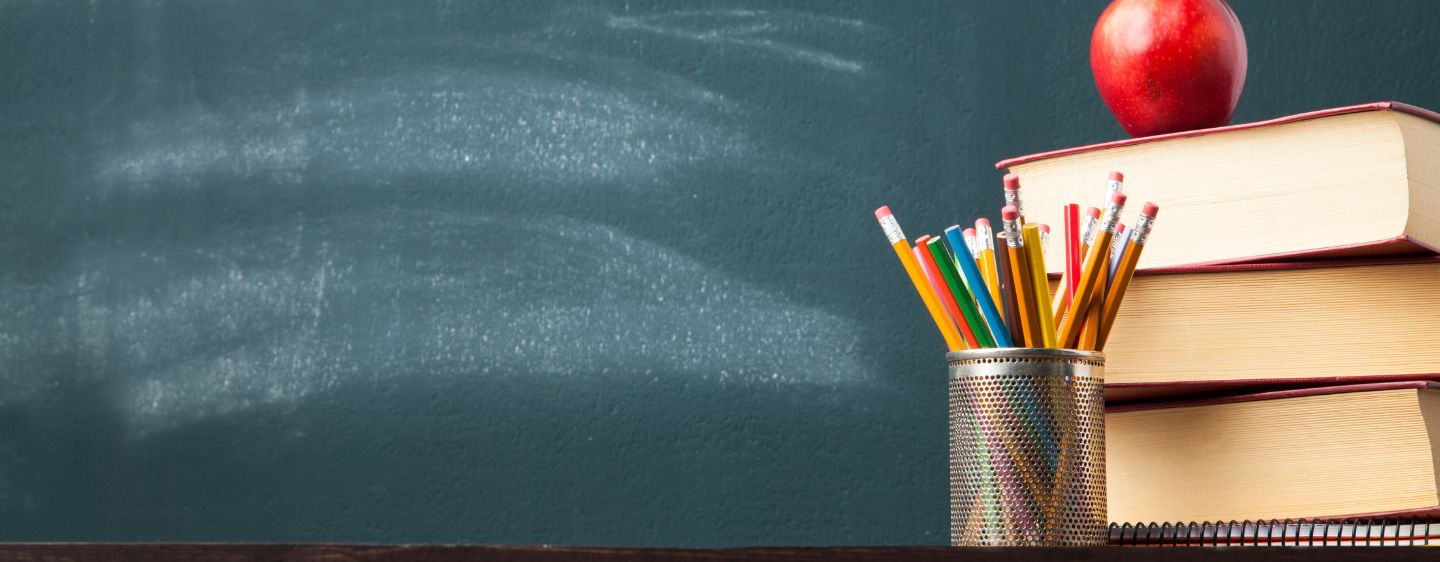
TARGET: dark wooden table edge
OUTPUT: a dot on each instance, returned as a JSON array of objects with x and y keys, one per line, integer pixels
[{"x": 188, "y": 552}]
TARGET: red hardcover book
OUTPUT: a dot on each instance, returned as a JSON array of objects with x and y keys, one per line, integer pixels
[
  {"x": 1355, "y": 451},
  {"x": 1209, "y": 330},
  {"x": 1346, "y": 182}
]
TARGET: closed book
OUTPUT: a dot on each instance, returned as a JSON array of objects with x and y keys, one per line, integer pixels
[
  {"x": 1353, "y": 181},
  {"x": 1227, "y": 328},
  {"x": 1329, "y": 452}
]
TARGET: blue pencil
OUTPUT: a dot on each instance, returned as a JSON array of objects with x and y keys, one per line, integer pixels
[{"x": 966, "y": 261}]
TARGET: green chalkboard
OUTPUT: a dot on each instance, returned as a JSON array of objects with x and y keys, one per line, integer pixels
[{"x": 576, "y": 272}]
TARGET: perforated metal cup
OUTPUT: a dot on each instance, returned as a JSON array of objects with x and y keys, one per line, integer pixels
[{"x": 1027, "y": 447}]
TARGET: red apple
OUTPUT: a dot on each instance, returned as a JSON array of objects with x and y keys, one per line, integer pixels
[{"x": 1169, "y": 65}]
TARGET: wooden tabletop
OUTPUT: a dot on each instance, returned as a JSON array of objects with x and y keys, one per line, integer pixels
[{"x": 161, "y": 552}]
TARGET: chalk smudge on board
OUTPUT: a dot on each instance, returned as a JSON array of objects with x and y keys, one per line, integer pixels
[
  {"x": 286, "y": 306},
  {"x": 753, "y": 29}
]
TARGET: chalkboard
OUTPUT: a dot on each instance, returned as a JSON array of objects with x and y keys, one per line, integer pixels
[{"x": 575, "y": 272}]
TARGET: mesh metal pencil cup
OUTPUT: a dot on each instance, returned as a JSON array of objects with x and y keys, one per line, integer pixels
[{"x": 1027, "y": 447}]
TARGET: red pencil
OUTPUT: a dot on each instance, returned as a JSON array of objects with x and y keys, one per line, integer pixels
[
  {"x": 1072, "y": 250},
  {"x": 942, "y": 290}
]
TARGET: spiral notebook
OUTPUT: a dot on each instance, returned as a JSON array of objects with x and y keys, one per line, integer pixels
[{"x": 1341, "y": 532}]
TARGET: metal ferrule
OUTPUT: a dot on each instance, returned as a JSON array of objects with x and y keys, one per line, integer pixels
[
  {"x": 1141, "y": 233},
  {"x": 1012, "y": 234},
  {"x": 1111, "y": 219},
  {"x": 1111, "y": 188},
  {"x": 1087, "y": 229},
  {"x": 1012, "y": 197},
  {"x": 892, "y": 229}
]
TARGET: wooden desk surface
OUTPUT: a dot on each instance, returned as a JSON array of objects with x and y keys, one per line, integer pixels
[{"x": 80, "y": 552}]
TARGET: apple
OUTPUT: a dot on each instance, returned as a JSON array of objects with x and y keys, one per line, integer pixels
[{"x": 1169, "y": 65}]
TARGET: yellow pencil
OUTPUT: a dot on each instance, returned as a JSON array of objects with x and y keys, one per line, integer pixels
[
  {"x": 1090, "y": 332},
  {"x": 985, "y": 238},
  {"x": 1095, "y": 260},
  {"x": 1024, "y": 302},
  {"x": 1040, "y": 285},
  {"x": 902, "y": 249},
  {"x": 1126, "y": 270}
]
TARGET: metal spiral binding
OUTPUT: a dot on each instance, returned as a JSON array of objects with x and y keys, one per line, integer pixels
[{"x": 1284, "y": 532}]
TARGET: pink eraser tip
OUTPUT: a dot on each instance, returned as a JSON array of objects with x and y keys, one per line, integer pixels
[
  {"x": 1092, "y": 212},
  {"x": 1117, "y": 176},
  {"x": 882, "y": 212},
  {"x": 1045, "y": 228},
  {"x": 1012, "y": 182},
  {"x": 969, "y": 232},
  {"x": 1150, "y": 210},
  {"x": 1009, "y": 213},
  {"x": 1118, "y": 199},
  {"x": 982, "y": 222},
  {"x": 1120, "y": 228}
]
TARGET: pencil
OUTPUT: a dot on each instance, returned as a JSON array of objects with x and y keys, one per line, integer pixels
[
  {"x": 1090, "y": 332},
  {"x": 1114, "y": 183},
  {"x": 1087, "y": 233},
  {"x": 1138, "y": 236},
  {"x": 1072, "y": 251},
  {"x": 985, "y": 239},
  {"x": 1040, "y": 285},
  {"x": 1117, "y": 247},
  {"x": 1015, "y": 253},
  {"x": 1012, "y": 196},
  {"x": 1069, "y": 330},
  {"x": 970, "y": 242},
  {"x": 896, "y": 237},
  {"x": 998, "y": 331},
  {"x": 1044, "y": 238},
  {"x": 961, "y": 294},
  {"x": 943, "y": 289},
  {"x": 1007, "y": 292}
]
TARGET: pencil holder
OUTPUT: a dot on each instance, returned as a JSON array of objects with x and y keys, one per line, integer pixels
[{"x": 1027, "y": 447}]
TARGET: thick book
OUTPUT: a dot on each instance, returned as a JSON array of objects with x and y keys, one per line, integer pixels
[
  {"x": 1226, "y": 328},
  {"x": 1273, "y": 532},
  {"x": 1331, "y": 452},
  {"x": 1354, "y": 181}
]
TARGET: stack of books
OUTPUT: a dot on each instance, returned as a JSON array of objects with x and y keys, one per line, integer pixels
[{"x": 1278, "y": 353}]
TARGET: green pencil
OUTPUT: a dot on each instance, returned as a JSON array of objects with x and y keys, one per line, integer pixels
[{"x": 962, "y": 295}]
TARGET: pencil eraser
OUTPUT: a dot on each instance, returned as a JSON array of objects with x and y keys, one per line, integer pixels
[
  {"x": 1012, "y": 182},
  {"x": 1150, "y": 210},
  {"x": 1091, "y": 212},
  {"x": 1117, "y": 176},
  {"x": 1118, "y": 200},
  {"x": 1045, "y": 228},
  {"x": 982, "y": 222},
  {"x": 882, "y": 212},
  {"x": 1009, "y": 213},
  {"x": 1120, "y": 228},
  {"x": 969, "y": 232}
]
